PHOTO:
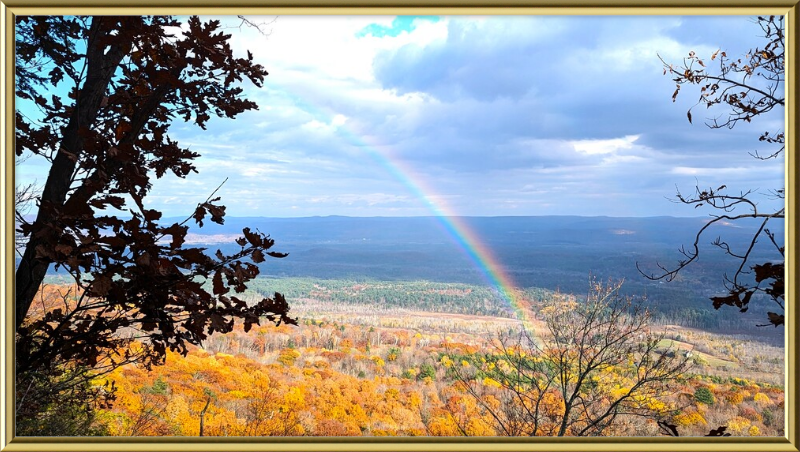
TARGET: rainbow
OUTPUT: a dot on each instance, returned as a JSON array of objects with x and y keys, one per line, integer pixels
[{"x": 457, "y": 229}]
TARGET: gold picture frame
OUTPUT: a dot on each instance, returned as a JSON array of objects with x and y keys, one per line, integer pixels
[{"x": 10, "y": 8}]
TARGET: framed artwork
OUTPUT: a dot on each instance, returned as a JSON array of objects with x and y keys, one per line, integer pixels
[{"x": 366, "y": 226}]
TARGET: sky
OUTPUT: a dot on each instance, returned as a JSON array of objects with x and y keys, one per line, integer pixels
[{"x": 478, "y": 116}]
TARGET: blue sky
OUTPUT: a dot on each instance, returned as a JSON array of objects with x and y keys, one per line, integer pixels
[{"x": 397, "y": 116}]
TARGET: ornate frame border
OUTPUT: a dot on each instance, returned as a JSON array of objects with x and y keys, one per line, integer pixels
[{"x": 9, "y": 8}]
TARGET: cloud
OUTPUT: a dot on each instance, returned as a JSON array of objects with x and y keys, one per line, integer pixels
[
  {"x": 506, "y": 115},
  {"x": 690, "y": 171},
  {"x": 480, "y": 58},
  {"x": 611, "y": 146}
]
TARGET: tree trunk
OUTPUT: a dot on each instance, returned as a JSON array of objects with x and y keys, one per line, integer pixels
[
  {"x": 203, "y": 416},
  {"x": 101, "y": 65}
]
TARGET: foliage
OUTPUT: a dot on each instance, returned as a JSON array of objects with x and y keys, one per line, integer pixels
[
  {"x": 59, "y": 401},
  {"x": 288, "y": 356},
  {"x": 334, "y": 387},
  {"x": 426, "y": 370},
  {"x": 704, "y": 395},
  {"x": 761, "y": 399},
  {"x": 126, "y": 79},
  {"x": 394, "y": 353},
  {"x": 748, "y": 87}
]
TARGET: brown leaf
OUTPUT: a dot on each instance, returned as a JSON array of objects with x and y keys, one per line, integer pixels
[
  {"x": 152, "y": 215},
  {"x": 745, "y": 301},
  {"x": 219, "y": 288},
  {"x": 113, "y": 241},
  {"x": 100, "y": 286},
  {"x": 768, "y": 271},
  {"x": 165, "y": 267},
  {"x": 254, "y": 239},
  {"x": 218, "y": 323},
  {"x": 121, "y": 130},
  {"x": 257, "y": 256},
  {"x": 43, "y": 251},
  {"x": 775, "y": 318},
  {"x": 199, "y": 214},
  {"x": 178, "y": 234},
  {"x": 217, "y": 213},
  {"x": 63, "y": 249},
  {"x": 729, "y": 300},
  {"x": 193, "y": 256},
  {"x": 143, "y": 260},
  {"x": 248, "y": 323}
]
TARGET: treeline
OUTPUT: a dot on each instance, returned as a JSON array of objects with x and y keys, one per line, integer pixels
[
  {"x": 669, "y": 304},
  {"x": 456, "y": 298}
]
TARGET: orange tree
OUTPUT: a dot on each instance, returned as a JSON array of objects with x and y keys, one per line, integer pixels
[{"x": 125, "y": 80}]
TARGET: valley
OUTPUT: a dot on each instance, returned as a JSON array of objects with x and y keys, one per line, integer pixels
[
  {"x": 380, "y": 368},
  {"x": 400, "y": 334}
]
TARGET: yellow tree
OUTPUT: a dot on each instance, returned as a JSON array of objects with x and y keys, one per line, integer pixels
[{"x": 596, "y": 364}]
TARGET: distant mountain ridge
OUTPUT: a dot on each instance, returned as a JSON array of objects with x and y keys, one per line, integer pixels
[
  {"x": 548, "y": 252},
  {"x": 331, "y": 229}
]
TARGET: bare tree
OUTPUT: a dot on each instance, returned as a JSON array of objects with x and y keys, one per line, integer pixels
[
  {"x": 595, "y": 365},
  {"x": 25, "y": 197},
  {"x": 261, "y": 27},
  {"x": 748, "y": 87}
]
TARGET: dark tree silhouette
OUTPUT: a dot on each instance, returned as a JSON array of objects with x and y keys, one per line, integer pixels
[
  {"x": 672, "y": 430},
  {"x": 748, "y": 87},
  {"x": 127, "y": 79}
]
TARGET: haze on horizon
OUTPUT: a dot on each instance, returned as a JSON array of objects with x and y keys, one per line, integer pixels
[{"x": 469, "y": 116}]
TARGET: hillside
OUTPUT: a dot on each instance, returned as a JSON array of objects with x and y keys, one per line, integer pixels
[{"x": 377, "y": 370}]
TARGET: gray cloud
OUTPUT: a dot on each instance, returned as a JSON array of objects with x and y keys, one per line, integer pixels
[{"x": 507, "y": 116}]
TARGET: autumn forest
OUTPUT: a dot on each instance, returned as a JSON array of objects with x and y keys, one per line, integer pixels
[
  {"x": 526, "y": 299},
  {"x": 358, "y": 368}
]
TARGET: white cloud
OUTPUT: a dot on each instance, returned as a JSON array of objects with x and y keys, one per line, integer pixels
[
  {"x": 707, "y": 171},
  {"x": 327, "y": 46},
  {"x": 338, "y": 120},
  {"x": 370, "y": 199},
  {"x": 593, "y": 147}
]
